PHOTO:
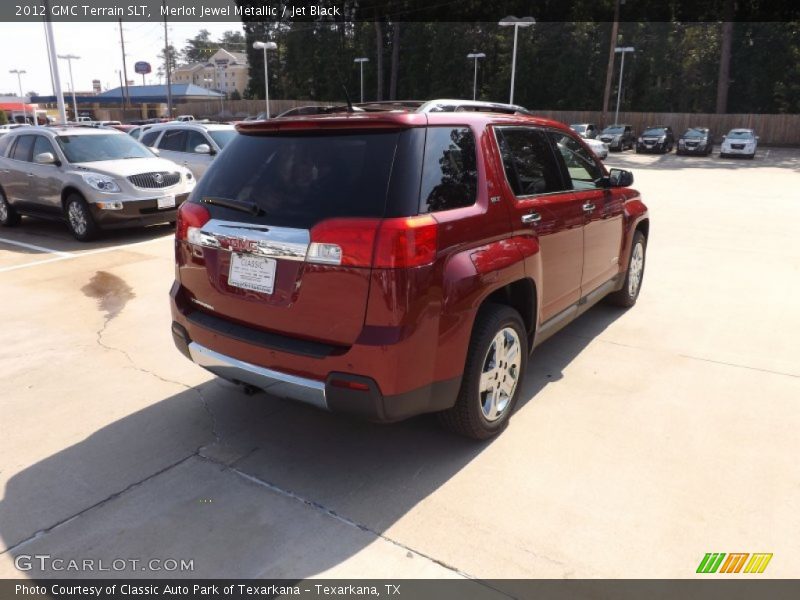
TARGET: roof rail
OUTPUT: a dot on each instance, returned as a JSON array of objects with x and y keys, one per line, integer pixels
[{"x": 450, "y": 105}]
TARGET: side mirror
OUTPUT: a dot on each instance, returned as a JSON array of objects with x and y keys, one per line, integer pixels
[
  {"x": 45, "y": 158},
  {"x": 724, "y": 136},
  {"x": 202, "y": 149},
  {"x": 155, "y": 151},
  {"x": 758, "y": 138},
  {"x": 620, "y": 178}
]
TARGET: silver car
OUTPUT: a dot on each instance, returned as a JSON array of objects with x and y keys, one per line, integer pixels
[
  {"x": 193, "y": 145},
  {"x": 91, "y": 178}
]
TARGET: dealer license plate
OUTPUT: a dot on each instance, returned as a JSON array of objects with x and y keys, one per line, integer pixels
[
  {"x": 256, "y": 273},
  {"x": 166, "y": 202}
]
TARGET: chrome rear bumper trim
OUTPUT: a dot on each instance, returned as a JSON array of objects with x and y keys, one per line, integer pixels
[{"x": 276, "y": 383}]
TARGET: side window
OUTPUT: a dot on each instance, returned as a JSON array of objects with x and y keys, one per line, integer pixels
[
  {"x": 174, "y": 140},
  {"x": 41, "y": 145},
  {"x": 580, "y": 163},
  {"x": 449, "y": 171},
  {"x": 149, "y": 138},
  {"x": 5, "y": 142},
  {"x": 194, "y": 139},
  {"x": 22, "y": 150},
  {"x": 529, "y": 161},
  {"x": 134, "y": 133}
]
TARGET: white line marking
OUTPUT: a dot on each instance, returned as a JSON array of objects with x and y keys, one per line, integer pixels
[
  {"x": 33, "y": 247},
  {"x": 67, "y": 255}
]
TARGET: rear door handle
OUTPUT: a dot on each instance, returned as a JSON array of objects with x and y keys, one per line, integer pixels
[
  {"x": 588, "y": 207},
  {"x": 533, "y": 217}
]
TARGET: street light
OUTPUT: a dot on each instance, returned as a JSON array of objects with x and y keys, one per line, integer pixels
[
  {"x": 69, "y": 58},
  {"x": 19, "y": 81},
  {"x": 623, "y": 51},
  {"x": 361, "y": 62},
  {"x": 476, "y": 56},
  {"x": 266, "y": 46},
  {"x": 516, "y": 23}
]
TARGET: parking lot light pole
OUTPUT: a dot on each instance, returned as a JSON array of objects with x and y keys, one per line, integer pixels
[
  {"x": 623, "y": 51},
  {"x": 266, "y": 46},
  {"x": 69, "y": 58},
  {"x": 19, "y": 81},
  {"x": 475, "y": 56},
  {"x": 516, "y": 23},
  {"x": 361, "y": 61}
]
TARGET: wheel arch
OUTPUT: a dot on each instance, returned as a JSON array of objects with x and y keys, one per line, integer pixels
[
  {"x": 67, "y": 192},
  {"x": 521, "y": 295}
]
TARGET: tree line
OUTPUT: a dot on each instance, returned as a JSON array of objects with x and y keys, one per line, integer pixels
[{"x": 702, "y": 66}]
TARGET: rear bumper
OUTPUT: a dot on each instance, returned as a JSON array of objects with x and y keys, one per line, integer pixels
[{"x": 338, "y": 392}]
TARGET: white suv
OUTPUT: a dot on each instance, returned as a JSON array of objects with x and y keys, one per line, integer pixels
[{"x": 193, "y": 145}]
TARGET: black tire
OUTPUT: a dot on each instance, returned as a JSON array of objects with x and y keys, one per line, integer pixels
[
  {"x": 467, "y": 416},
  {"x": 626, "y": 297},
  {"x": 8, "y": 216},
  {"x": 79, "y": 219},
  {"x": 751, "y": 156}
]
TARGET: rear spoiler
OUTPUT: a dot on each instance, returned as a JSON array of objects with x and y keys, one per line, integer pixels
[{"x": 332, "y": 122}]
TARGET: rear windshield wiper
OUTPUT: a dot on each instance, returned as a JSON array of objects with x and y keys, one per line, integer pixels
[{"x": 242, "y": 205}]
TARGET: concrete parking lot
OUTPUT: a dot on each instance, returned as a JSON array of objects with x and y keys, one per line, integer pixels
[{"x": 644, "y": 440}]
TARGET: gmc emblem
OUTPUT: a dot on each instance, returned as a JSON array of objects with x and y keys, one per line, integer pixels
[{"x": 236, "y": 244}]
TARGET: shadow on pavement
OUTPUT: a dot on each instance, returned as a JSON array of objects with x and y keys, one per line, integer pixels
[
  {"x": 247, "y": 486},
  {"x": 55, "y": 236}
]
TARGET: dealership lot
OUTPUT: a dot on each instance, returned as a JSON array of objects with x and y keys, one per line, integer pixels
[{"x": 667, "y": 431}]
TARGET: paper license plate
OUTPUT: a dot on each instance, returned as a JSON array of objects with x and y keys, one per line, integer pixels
[
  {"x": 166, "y": 202},
  {"x": 256, "y": 273}
]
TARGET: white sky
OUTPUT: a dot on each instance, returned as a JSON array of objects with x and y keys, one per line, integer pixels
[{"x": 22, "y": 46}]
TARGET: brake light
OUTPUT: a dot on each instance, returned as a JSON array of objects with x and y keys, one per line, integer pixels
[
  {"x": 191, "y": 217},
  {"x": 343, "y": 242},
  {"x": 406, "y": 242},
  {"x": 388, "y": 244}
]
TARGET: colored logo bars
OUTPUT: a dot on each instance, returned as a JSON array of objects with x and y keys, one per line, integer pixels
[{"x": 714, "y": 562}]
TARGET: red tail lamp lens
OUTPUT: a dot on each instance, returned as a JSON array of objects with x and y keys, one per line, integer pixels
[{"x": 190, "y": 215}]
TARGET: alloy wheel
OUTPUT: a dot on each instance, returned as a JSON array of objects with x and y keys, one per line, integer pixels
[
  {"x": 77, "y": 218},
  {"x": 500, "y": 374},
  {"x": 636, "y": 269}
]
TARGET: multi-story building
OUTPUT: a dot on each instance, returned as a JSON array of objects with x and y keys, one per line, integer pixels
[{"x": 225, "y": 71}]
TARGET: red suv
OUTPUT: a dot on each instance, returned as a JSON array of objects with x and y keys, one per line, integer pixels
[{"x": 393, "y": 263}]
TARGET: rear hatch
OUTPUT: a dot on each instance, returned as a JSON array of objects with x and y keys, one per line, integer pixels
[{"x": 279, "y": 233}]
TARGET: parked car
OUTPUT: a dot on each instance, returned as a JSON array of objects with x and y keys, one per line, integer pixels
[
  {"x": 137, "y": 132},
  {"x": 193, "y": 145},
  {"x": 310, "y": 266},
  {"x": 739, "y": 142},
  {"x": 618, "y": 137},
  {"x": 656, "y": 139},
  {"x": 598, "y": 147},
  {"x": 184, "y": 118},
  {"x": 91, "y": 178},
  {"x": 696, "y": 140},
  {"x": 586, "y": 130}
]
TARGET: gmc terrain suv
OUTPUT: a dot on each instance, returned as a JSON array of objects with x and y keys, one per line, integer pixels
[{"x": 391, "y": 263}]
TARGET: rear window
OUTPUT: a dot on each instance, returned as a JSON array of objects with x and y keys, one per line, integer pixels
[
  {"x": 449, "y": 172},
  {"x": 300, "y": 179}
]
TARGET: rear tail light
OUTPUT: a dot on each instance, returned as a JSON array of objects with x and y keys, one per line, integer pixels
[
  {"x": 191, "y": 217},
  {"x": 343, "y": 242},
  {"x": 387, "y": 244},
  {"x": 406, "y": 242}
]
